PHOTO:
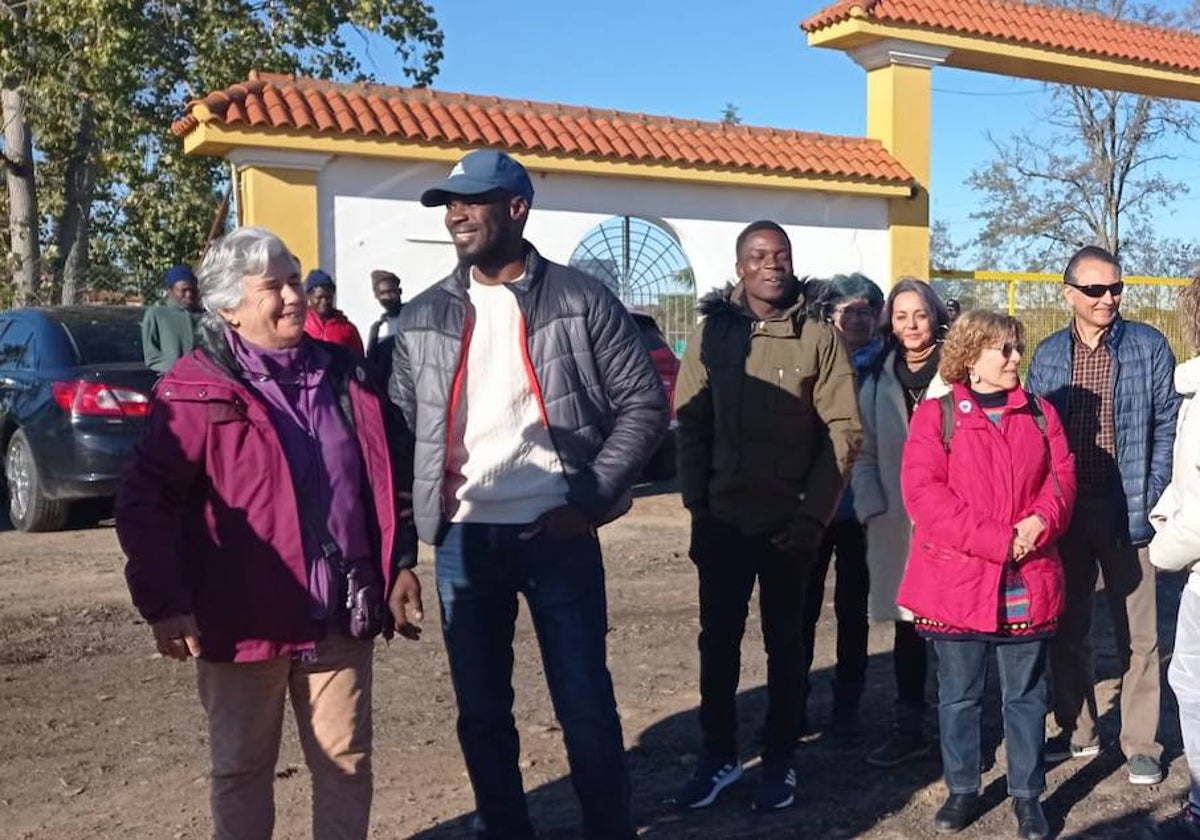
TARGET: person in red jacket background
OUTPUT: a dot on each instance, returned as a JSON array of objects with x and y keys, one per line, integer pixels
[
  {"x": 989, "y": 481},
  {"x": 324, "y": 320}
]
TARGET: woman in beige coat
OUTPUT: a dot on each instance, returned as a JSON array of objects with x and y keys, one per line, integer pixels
[{"x": 914, "y": 321}]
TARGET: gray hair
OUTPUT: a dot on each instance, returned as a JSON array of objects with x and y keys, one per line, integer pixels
[{"x": 242, "y": 253}]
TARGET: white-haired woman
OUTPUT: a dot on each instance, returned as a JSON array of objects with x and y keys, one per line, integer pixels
[{"x": 260, "y": 521}]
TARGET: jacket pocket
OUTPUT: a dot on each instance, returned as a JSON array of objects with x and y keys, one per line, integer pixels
[
  {"x": 1043, "y": 577},
  {"x": 957, "y": 588},
  {"x": 792, "y": 390}
]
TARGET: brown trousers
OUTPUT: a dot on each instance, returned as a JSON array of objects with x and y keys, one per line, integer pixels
[
  {"x": 1096, "y": 544},
  {"x": 331, "y": 698}
]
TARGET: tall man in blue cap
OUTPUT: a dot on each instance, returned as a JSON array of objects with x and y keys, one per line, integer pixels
[
  {"x": 168, "y": 330},
  {"x": 534, "y": 407}
]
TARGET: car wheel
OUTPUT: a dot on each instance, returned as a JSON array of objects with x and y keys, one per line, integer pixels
[{"x": 28, "y": 507}]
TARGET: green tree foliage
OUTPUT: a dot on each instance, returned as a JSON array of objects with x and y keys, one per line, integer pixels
[
  {"x": 1094, "y": 174},
  {"x": 104, "y": 79}
]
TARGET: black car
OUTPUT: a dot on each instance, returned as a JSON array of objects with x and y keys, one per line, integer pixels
[{"x": 74, "y": 394}]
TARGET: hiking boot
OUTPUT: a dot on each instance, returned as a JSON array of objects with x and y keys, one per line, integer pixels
[
  {"x": 1143, "y": 770},
  {"x": 902, "y": 745},
  {"x": 1060, "y": 748},
  {"x": 777, "y": 789},
  {"x": 1031, "y": 820},
  {"x": 711, "y": 776},
  {"x": 958, "y": 812}
]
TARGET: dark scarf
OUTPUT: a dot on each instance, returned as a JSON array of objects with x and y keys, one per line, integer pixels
[{"x": 916, "y": 382}]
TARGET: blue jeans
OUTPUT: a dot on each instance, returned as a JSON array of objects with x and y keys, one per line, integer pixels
[
  {"x": 962, "y": 670},
  {"x": 480, "y": 570}
]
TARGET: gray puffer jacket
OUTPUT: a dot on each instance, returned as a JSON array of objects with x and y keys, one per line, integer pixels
[{"x": 601, "y": 395}]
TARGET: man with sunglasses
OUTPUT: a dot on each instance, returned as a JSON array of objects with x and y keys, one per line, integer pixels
[
  {"x": 534, "y": 406},
  {"x": 1111, "y": 381}
]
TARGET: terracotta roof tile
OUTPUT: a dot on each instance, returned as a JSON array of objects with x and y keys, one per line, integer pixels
[
  {"x": 1032, "y": 24},
  {"x": 311, "y": 105}
]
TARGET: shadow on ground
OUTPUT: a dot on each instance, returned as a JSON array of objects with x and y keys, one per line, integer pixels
[{"x": 841, "y": 796}]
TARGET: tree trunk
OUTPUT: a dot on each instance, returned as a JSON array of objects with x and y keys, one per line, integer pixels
[
  {"x": 80, "y": 183},
  {"x": 25, "y": 256}
]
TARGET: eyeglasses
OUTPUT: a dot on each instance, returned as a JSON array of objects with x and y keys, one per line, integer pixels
[
  {"x": 855, "y": 312},
  {"x": 1098, "y": 290},
  {"x": 1009, "y": 347}
]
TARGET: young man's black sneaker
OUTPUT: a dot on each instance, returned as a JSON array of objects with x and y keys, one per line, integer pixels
[
  {"x": 777, "y": 789},
  {"x": 958, "y": 812},
  {"x": 1059, "y": 748},
  {"x": 711, "y": 776}
]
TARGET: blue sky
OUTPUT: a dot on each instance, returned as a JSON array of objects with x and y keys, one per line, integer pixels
[{"x": 687, "y": 59}]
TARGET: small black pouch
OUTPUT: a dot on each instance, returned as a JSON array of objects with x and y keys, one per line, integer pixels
[{"x": 364, "y": 604}]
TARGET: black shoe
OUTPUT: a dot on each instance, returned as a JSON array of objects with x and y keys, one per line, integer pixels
[
  {"x": 1031, "y": 820},
  {"x": 902, "y": 745},
  {"x": 960, "y": 811}
]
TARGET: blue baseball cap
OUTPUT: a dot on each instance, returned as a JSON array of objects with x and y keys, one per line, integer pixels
[
  {"x": 478, "y": 172},
  {"x": 317, "y": 277},
  {"x": 178, "y": 274}
]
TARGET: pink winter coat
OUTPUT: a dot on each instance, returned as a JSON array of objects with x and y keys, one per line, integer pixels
[{"x": 964, "y": 505}]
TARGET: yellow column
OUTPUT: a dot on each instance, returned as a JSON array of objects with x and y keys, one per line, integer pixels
[
  {"x": 285, "y": 202},
  {"x": 899, "y": 105}
]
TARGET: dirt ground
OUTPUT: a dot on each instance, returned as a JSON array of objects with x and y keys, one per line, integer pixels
[{"x": 101, "y": 738}]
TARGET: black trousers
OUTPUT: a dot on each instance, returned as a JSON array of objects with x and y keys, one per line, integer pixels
[
  {"x": 849, "y": 540},
  {"x": 729, "y": 563},
  {"x": 910, "y": 658}
]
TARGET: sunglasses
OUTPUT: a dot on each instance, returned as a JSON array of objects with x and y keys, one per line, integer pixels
[
  {"x": 1098, "y": 290},
  {"x": 1009, "y": 347}
]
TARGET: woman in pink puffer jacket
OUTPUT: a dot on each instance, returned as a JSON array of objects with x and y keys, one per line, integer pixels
[{"x": 989, "y": 484}]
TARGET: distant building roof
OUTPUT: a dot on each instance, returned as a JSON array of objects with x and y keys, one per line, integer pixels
[
  {"x": 277, "y": 102},
  {"x": 1029, "y": 24}
]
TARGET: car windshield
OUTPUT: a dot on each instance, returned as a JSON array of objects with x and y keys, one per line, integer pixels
[{"x": 107, "y": 340}]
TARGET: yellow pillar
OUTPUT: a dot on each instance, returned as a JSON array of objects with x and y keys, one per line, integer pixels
[
  {"x": 899, "y": 105},
  {"x": 285, "y": 202},
  {"x": 279, "y": 191}
]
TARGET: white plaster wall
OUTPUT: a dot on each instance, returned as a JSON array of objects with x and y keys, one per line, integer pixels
[{"x": 371, "y": 218}]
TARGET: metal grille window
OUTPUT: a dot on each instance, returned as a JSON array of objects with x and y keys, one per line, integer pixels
[{"x": 644, "y": 264}]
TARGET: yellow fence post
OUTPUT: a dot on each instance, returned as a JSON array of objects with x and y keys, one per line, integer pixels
[{"x": 1038, "y": 300}]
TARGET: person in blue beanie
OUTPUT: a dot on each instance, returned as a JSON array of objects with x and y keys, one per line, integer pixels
[{"x": 168, "y": 330}]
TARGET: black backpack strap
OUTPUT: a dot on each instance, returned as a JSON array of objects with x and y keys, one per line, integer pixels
[
  {"x": 1039, "y": 417},
  {"x": 946, "y": 401}
]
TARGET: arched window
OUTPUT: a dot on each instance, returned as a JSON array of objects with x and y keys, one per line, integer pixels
[{"x": 643, "y": 263}]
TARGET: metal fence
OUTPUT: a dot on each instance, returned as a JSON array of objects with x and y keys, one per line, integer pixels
[{"x": 1038, "y": 301}]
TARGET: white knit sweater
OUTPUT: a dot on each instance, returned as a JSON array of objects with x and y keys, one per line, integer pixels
[{"x": 502, "y": 467}]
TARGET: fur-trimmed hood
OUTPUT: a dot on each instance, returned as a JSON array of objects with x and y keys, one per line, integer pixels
[{"x": 730, "y": 301}]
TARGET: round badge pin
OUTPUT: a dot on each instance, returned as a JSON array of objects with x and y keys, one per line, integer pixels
[{"x": 965, "y": 406}]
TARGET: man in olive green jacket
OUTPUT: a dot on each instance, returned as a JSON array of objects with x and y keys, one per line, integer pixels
[
  {"x": 168, "y": 330},
  {"x": 768, "y": 429}
]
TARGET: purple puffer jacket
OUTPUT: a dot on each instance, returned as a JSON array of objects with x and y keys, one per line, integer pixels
[{"x": 207, "y": 515}]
